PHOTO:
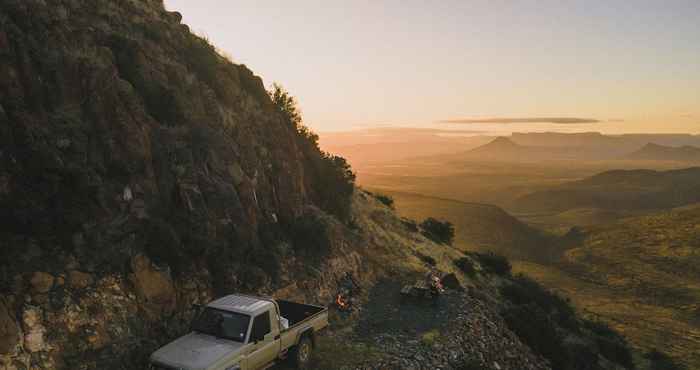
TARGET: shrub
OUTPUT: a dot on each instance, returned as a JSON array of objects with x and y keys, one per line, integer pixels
[
  {"x": 442, "y": 232},
  {"x": 494, "y": 263},
  {"x": 535, "y": 328},
  {"x": 524, "y": 290},
  {"x": 385, "y": 199},
  {"x": 548, "y": 324},
  {"x": 411, "y": 225},
  {"x": 311, "y": 237},
  {"x": 465, "y": 264},
  {"x": 661, "y": 361},
  {"x": 427, "y": 259},
  {"x": 430, "y": 338}
]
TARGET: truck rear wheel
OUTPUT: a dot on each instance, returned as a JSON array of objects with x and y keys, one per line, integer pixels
[{"x": 301, "y": 353}]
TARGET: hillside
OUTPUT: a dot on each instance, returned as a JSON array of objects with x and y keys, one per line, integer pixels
[
  {"x": 618, "y": 190},
  {"x": 666, "y": 153},
  {"x": 142, "y": 173},
  {"x": 479, "y": 227},
  {"x": 649, "y": 263}
]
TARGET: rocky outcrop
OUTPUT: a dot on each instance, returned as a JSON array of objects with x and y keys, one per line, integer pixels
[
  {"x": 140, "y": 171},
  {"x": 154, "y": 288},
  {"x": 10, "y": 334}
]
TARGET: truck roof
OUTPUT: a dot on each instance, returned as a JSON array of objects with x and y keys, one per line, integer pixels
[{"x": 242, "y": 304}]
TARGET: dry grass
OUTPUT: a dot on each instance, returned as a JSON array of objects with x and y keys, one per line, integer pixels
[{"x": 642, "y": 276}]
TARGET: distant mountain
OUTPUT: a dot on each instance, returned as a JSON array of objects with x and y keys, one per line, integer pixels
[
  {"x": 618, "y": 190},
  {"x": 596, "y": 139},
  {"x": 505, "y": 149},
  {"x": 653, "y": 151}
]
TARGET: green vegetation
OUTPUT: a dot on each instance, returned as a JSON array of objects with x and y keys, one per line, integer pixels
[
  {"x": 442, "y": 232},
  {"x": 311, "y": 237},
  {"x": 427, "y": 259},
  {"x": 332, "y": 176},
  {"x": 385, "y": 199},
  {"x": 493, "y": 263},
  {"x": 547, "y": 323},
  {"x": 660, "y": 361},
  {"x": 429, "y": 338},
  {"x": 466, "y": 265}
]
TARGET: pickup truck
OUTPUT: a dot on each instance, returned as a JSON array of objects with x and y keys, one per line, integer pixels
[{"x": 240, "y": 332}]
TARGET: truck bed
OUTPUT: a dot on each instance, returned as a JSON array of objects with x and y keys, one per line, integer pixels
[{"x": 297, "y": 312}]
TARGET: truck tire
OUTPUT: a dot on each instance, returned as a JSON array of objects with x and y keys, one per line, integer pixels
[{"x": 301, "y": 353}]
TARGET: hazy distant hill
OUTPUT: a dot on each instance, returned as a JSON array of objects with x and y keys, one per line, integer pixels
[
  {"x": 619, "y": 190},
  {"x": 613, "y": 143},
  {"x": 505, "y": 149},
  {"x": 666, "y": 153}
]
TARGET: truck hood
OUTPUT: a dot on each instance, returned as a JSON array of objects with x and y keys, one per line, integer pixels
[{"x": 195, "y": 351}]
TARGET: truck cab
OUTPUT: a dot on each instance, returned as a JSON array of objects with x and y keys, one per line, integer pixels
[{"x": 239, "y": 332}]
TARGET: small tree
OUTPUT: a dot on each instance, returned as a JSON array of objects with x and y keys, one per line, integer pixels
[
  {"x": 385, "y": 199},
  {"x": 438, "y": 231}
]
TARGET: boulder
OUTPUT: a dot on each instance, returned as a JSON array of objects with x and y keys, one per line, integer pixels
[
  {"x": 450, "y": 281},
  {"x": 9, "y": 331},
  {"x": 41, "y": 282},
  {"x": 154, "y": 287},
  {"x": 34, "y": 330},
  {"x": 79, "y": 280}
]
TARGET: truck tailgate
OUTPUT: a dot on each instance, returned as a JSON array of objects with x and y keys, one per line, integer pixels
[{"x": 301, "y": 317}]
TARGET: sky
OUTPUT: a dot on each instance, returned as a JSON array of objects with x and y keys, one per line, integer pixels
[{"x": 612, "y": 66}]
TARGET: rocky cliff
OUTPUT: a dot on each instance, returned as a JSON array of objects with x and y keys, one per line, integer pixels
[{"x": 140, "y": 172}]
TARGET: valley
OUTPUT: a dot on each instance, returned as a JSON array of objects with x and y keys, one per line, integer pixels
[{"x": 610, "y": 234}]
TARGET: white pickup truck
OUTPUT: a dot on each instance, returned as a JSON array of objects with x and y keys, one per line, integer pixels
[{"x": 240, "y": 332}]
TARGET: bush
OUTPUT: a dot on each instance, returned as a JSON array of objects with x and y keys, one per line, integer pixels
[
  {"x": 385, "y": 199},
  {"x": 524, "y": 290},
  {"x": 442, "y": 232},
  {"x": 427, "y": 259},
  {"x": 411, "y": 225},
  {"x": 535, "y": 328},
  {"x": 311, "y": 237},
  {"x": 612, "y": 345},
  {"x": 548, "y": 324},
  {"x": 465, "y": 264},
  {"x": 494, "y": 263},
  {"x": 660, "y": 361}
]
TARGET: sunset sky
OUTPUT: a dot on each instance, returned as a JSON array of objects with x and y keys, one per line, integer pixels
[{"x": 632, "y": 66}]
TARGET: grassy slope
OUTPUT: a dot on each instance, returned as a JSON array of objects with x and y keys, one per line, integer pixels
[
  {"x": 480, "y": 227},
  {"x": 642, "y": 275}
]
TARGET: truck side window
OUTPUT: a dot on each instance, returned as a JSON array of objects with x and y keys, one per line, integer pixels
[{"x": 261, "y": 326}]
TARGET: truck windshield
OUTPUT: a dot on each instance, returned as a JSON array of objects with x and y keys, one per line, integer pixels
[{"x": 222, "y": 324}]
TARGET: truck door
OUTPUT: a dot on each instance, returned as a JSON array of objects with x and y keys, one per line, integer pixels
[{"x": 264, "y": 346}]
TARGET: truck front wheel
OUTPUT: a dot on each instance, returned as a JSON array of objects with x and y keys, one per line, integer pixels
[{"x": 301, "y": 353}]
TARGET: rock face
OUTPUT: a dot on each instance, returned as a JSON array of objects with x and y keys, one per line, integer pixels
[
  {"x": 154, "y": 288},
  {"x": 140, "y": 172},
  {"x": 9, "y": 331}
]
